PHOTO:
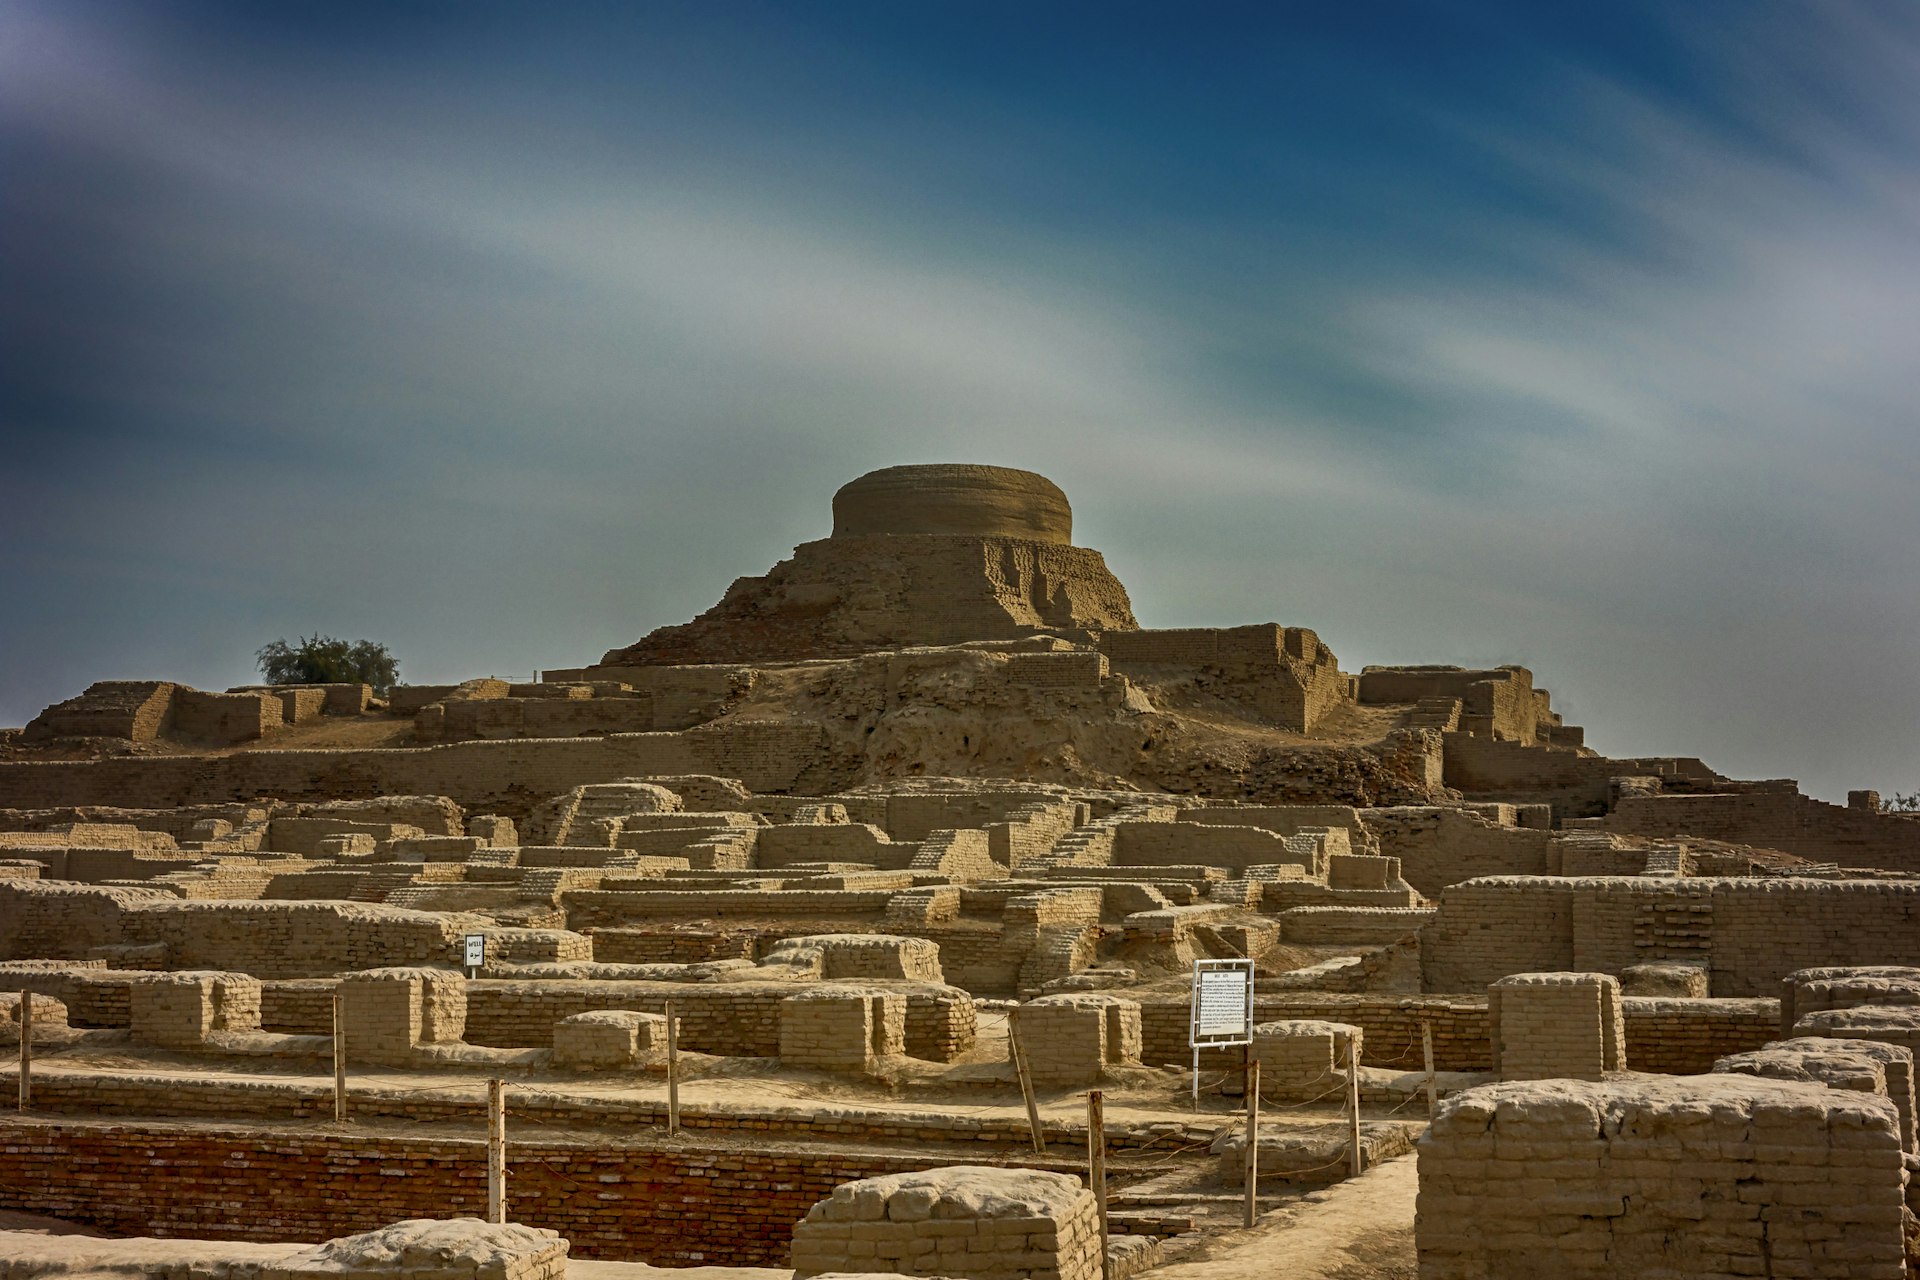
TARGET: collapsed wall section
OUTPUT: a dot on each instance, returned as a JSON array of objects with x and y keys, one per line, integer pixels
[
  {"x": 507, "y": 777},
  {"x": 1749, "y": 933},
  {"x": 1777, "y": 817},
  {"x": 688, "y": 1205},
  {"x": 42, "y": 921},
  {"x": 848, "y": 595},
  {"x": 1285, "y": 673},
  {"x": 57, "y": 921},
  {"x": 969, "y": 1220}
]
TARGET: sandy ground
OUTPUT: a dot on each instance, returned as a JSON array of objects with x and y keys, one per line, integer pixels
[
  {"x": 582, "y": 1269},
  {"x": 975, "y": 1089},
  {"x": 980, "y": 1083},
  {"x": 1357, "y": 1230},
  {"x": 50, "y": 1246}
]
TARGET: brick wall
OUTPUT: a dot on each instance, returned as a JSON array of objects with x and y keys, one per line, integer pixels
[
  {"x": 395, "y": 1108},
  {"x": 1663, "y": 1035},
  {"x": 1438, "y": 847},
  {"x": 671, "y": 945},
  {"x": 737, "y": 1019},
  {"x": 733, "y": 1019},
  {"x": 782, "y": 846},
  {"x": 265, "y": 939},
  {"x": 1575, "y": 785},
  {"x": 1291, "y": 819},
  {"x": 1079, "y": 670},
  {"x": 1351, "y": 926},
  {"x": 1177, "y": 843},
  {"x": 841, "y": 1028},
  {"x": 1681, "y": 1036},
  {"x": 1284, "y": 672},
  {"x": 1006, "y": 1226},
  {"x": 1391, "y": 1027},
  {"x": 1548, "y": 1026},
  {"x": 299, "y": 1006},
  {"x": 297, "y": 939},
  {"x": 52, "y": 921},
  {"x": 546, "y": 717},
  {"x": 225, "y": 717},
  {"x": 1575, "y": 1180},
  {"x": 600, "y": 908},
  {"x": 1752, "y": 932},
  {"x": 136, "y": 709},
  {"x": 976, "y": 956},
  {"x": 677, "y": 1205},
  {"x": 507, "y": 777},
  {"x": 1777, "y": 819}
]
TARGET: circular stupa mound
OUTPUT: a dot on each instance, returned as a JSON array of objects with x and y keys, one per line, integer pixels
[{"x": 953, "y": 498}]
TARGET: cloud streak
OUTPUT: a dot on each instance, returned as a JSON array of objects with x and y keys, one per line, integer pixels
[{"x": 505, "y": 376}]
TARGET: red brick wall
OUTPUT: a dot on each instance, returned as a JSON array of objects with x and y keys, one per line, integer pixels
[{"x": 671, "y": 1206}]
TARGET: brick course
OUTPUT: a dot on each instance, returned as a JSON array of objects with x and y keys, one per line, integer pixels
[{"x": 670, "y": 1205}]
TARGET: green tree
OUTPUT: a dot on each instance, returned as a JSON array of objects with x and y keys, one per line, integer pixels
[{"x": 325, "y": 660}]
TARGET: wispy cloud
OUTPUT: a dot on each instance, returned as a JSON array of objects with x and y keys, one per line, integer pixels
[{"x": 453, "y": 359}]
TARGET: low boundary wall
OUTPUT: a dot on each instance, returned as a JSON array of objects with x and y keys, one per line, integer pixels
[
  {"x": 1668, "y": 1035},
  {"x": 669, "y": 1205}
]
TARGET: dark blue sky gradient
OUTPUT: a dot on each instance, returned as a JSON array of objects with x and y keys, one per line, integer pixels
[{"x": 1573, "y": 334}]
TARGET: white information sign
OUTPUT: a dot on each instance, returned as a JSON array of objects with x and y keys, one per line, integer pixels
[
  {"x": 476, "y": 950},
  {"x": 1222, "y": 1002},
  {"x": 1222, "y": 1010}
]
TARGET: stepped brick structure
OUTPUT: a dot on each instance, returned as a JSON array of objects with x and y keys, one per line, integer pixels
[{"x": 919, "y": 555}]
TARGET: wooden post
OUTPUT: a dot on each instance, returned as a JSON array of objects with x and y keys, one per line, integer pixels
[
  {"x": 1026, "y": 1088},
  {"x": 26, "y": 1050},
  {"x": 339, "y": 1062},
  {"x": 673, "y": 1071},
  {"x": 1426, "y": 1051},
  {"x": 1353, "y": 1104},
  {"x": 1097, "y": 1165},
  {"x": 496, "y": 1151},
  {"x": 1253, "y": 1141}
]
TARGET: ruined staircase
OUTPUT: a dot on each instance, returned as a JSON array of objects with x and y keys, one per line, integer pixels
[
  {"x": 1435, "y": 713},
  {"x": 379, "y": 886}
]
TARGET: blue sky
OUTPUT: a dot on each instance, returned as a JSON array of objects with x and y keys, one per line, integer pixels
[{"x": 1576, "y": 335}]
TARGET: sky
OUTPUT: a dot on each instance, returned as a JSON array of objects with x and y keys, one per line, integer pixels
[{"x": 1584, "y": 336}]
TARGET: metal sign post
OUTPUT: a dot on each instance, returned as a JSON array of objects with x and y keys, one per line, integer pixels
[
  {"x": 476, "y": 956},
  {"x": 1222, "y": 1009}
]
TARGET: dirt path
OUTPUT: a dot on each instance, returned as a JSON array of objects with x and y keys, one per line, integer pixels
[
  {"x": 1357, "y": 1230},
  {"x": 324, "y": 733},
  {"x": 588, "y": 1269}
]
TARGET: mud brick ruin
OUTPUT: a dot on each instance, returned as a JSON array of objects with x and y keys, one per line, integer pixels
[{"x": 769, "y": 900}]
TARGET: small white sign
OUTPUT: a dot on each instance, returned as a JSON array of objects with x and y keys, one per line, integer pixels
[
  {"x": 1222, "y": 1002},
  {"x": 476, "y": 950}
]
